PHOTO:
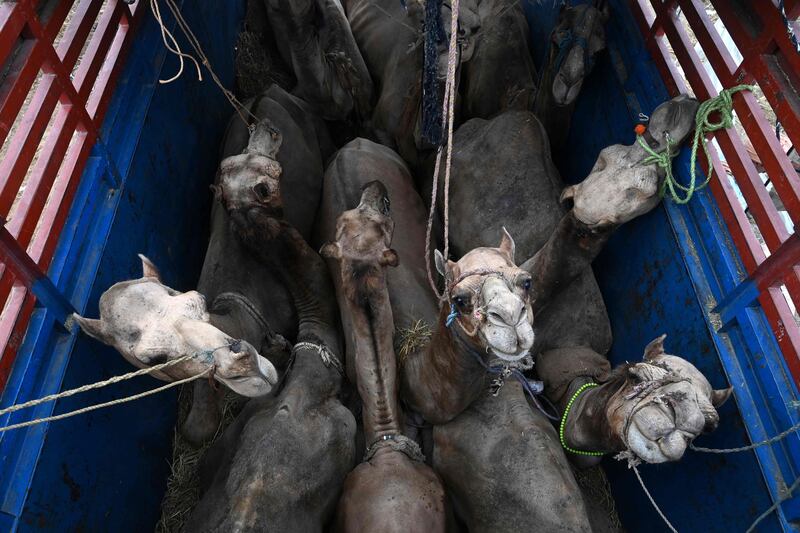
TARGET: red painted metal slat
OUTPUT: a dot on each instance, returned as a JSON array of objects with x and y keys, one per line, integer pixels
[
  {"x": 43, "y": 175},
  {"x": 25, "y": 142},
  {"x": 53, "y": 217},
  {"x": 12, "y": 20},
  {"x": 784, "y": 328},
  {"x": 15, "y": 335},
  {"x": 77, "y": 32},
  {"x": 18, "y": 83},
  {"x": 708, "y": 37},
  {"x": 99, "y": 44},
  {"x": 747, "y": 177},
  {"x": 56, "y": 20},
  {"x": 101, "y": 94}
]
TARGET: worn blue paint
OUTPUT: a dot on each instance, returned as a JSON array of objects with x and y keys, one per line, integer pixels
[{"x": 145, "y": 189}]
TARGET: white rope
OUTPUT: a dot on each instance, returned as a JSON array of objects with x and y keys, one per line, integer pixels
[
  {"x": 106, "y": 404},
  {"x": 328, "y": 357},
  {"x": 633, "y": 462},
  {"x": 774, "y": 506},
  {"x": 168, "y": 37},
  {"x": 98, "y": 385},
  {"x": 240, "y": 108},
  {"x": 448, "y": 112},
  {"x": 772, "y": 440}
]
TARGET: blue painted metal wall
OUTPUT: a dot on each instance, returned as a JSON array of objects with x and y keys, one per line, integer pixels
[
  {"x": 145, "y": 190},
  {"x": 664, "y": 273}
]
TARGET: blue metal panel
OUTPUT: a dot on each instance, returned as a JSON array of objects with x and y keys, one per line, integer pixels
[
  {"x": 665, "y": 273},
  {"x": 145, "y": 189}
]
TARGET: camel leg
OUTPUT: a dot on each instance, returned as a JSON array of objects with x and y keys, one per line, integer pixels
[{"x": 205, "y": 413}]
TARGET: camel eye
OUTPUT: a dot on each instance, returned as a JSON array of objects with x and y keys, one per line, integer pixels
[
  {"x": 526, "y": 284},
  {"x": 461, "y": 301}
]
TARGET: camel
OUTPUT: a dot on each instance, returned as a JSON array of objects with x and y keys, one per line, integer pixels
[
  {"x": 390, "y": 36},
  {"x": 497, "y": 72},
  {"x": 393, "y": 489},
  {"x": 150, "y": 324},
  {"x": 575, "y": 42},
  {"x": 247, "y": 300},
  {"x": 281, "y": 465},
  {"x": 314, "y": 38},
  {"x": 438, "y": 378}
]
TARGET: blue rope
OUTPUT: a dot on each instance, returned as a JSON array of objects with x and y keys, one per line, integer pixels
[
  {"x": 452, "y": 316},
  {"x": 531, "y": 387}
]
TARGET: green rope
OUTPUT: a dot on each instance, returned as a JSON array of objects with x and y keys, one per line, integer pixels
[
  {"x": 564, "y": 422},
  {"x": 721, "y": 103}
]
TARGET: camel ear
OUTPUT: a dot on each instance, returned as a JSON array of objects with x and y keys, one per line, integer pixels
[
  {"x": 390, "y": 258},
  {"x": 441, "y": 264},
  {"x": 216, "y": 190},
  {"x": 568, "y": 194},
  {"x": 507, "y": 245},
  {"x": 720, "y": 396},
  {"x": 655, "y": 348},
  {"x": 331, "y": 250},
  {"x": 92, "y": 327},
  {"x": 149, "y": 270}
]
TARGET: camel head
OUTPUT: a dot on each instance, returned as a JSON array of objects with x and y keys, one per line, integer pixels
[
  {"x": 664, "y": 403},
  {"x": 150, "y": 323},
  {"x": 619, "y": 187},
  {"x": 253, "y": 177},
  {"x": 575, "y": 42},
  {"x": 363, "y": 234},
  {"x": 469, "y": 24},
  {"x": 491, "y": 298}
]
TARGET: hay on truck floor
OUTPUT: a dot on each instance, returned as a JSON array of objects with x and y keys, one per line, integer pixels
[{"x": 182, "y": 492}]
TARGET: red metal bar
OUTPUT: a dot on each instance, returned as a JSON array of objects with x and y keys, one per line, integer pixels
[
  {"x": 71, "y": 44},
  {"x": 53, "y": 217},
  {"x": 747, "y": 177},
  {"x": 42, "y": 177},
  {"x": 98, "y": 45},
  {"x": 25, "y": 142},
  {"x": 100, "y": 97},
  {"x": 18, "y": 83},
  {"x": 12, "y": 329},
  {"x": 53, "y": 24}
]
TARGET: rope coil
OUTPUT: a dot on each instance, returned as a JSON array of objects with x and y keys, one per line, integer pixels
[{"x": 722, "y": 104}]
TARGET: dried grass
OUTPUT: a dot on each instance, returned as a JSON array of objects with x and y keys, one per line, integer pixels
[
  {"x": 412, "y": 339},
  {"x": 183, "y": 491},
  {"x": 595, "y": 487}
]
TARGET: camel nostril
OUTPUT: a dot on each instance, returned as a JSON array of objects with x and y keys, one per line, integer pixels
[
  {"x": 496, "y": 316},
  {"x": 261, "y": 190}
]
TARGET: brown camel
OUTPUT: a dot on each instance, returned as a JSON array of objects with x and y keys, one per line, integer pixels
[
  {"x": 574, "y": 44},
  {"x": 281, "y": 465},
  {"x": 314, "y": 38},
  {"x": 246, "y": 299},
  {"x": 393, "y": 489}
]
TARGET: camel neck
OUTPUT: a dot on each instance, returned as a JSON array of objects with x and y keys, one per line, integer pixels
[
  {"x": 570, "y": 249},
  {"x": 302, "y": 271},
  {"x": 368, "y": 304},
  {"x": 443, "y": 379},
  {"x": 555, "y": 118}
]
